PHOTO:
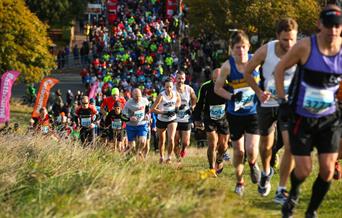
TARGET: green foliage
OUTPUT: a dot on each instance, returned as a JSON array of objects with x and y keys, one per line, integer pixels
[
  {"x": 264, "y": 15},
  {"x": 257, "y": 17},
  {"x": 209, "y": 16},
  {"x": 57, "y": 13},
  {"x": 24, "y": 44}
]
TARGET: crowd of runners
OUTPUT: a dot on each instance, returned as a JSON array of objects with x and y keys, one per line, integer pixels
[{"x": 285, "y": 95}]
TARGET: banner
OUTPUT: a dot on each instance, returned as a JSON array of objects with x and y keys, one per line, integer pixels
[
  {"x": 43, "y": 94},
  {"x": 93, "y": 90},
  {"x": 7, "y": 81}
]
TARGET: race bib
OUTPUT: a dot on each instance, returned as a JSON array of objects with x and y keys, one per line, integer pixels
[
  {"x": 271, "y": 88},
  {"x": 317, "y": 101},
  {"x": 45, "y": 129},
  {"x": 139, "y": 114},
  {"x": 116, "y": 124},
  {"x": 217, "y": 112},
  {"x": 86, "y": 121},
  {"x": 181, "y": 114},
  {"x": 247, "y": 98}
]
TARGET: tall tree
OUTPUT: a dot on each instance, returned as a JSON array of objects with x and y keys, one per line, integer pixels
[
  {"x": 257, "y": 17},
  {"x": 24, "y": 44},
  {"x": 58, "y": 12},
  {"x": 209, "y": 16},
  {"x": 263, "y": 16}
]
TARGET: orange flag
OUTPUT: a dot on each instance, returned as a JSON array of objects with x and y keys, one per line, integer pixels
[{"x": 43, "y": 94}]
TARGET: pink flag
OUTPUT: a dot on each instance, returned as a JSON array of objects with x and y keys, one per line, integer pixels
[
  {"x": 93, "y": 90},
  {"x": 7, "y": 81}
]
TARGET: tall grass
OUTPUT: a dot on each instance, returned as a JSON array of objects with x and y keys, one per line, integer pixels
[{"x": 40, "y": 177}]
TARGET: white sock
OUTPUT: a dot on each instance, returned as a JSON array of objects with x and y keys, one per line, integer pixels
[
  {"x": 280, "y": 188},
  {"x": 267, "y": 172}
]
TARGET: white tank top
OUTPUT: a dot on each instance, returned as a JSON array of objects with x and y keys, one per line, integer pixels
[
  {"x": 167, "y": 104},
  {"x": 268, "y": 68},
  {"x": 182, "y": 116}
]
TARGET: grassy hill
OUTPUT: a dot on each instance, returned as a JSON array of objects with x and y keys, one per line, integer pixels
[{"x": 41, "y": 177}]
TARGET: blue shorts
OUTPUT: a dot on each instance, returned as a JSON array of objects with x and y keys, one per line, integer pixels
[{"x": 136, "y": 131}]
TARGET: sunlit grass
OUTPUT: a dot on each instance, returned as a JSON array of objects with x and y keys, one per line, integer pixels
[{"x": 40, "y": 177}]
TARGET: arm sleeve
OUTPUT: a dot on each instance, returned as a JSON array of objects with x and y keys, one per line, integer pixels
[
  {"x": 108, "y": 119},
  {"x": 200, "y": 102},
  {"x": 124, "y": 118}
]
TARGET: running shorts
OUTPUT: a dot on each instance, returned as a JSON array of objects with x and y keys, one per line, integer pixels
[
  {"x": 323, "y": 133},
  {"x": 239, "y": 125},
  {"x": 136, "y": 131},
  {"x": 267, "y": 118}
]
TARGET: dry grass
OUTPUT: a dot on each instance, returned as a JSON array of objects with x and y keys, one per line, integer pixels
[{"x": 40, "y": 177}]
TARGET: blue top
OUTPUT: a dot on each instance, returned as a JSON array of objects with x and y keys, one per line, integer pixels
[
  {"x": 237, "y": 83},
  {"x": 314, "y": 89}
]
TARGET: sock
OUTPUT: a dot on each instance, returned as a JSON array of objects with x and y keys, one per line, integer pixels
[
  {"x": 280, "y": 188},
  {"x": 319, "y": 190},
  {"x": 267, "y": 172},
  {"x": 295, "y": 185},
  {"x": 251, "y": 164}
]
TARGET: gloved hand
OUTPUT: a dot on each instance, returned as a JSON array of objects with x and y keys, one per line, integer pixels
[
  {"x": 182, "y": 107},
  {"x": 169, "y": 113},
  {"x": 284, "y": 112},
  {"x": 236, "y": 96},
  {"x": 189, "y": 111}
]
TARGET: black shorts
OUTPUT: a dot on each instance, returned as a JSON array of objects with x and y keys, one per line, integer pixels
[
  {"x": 267, "y": 118},
  {"x": 239, "y": 125},
  {"x": 163, "y": 125},
  {"x": 116, "y": 134},
  {"x": 323, "y": 133},
  {"x": 220, "y": 126},
  {"x": 183, "y": 126}
]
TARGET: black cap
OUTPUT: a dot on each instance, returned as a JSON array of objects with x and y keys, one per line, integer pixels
[
  {"x": 331, "y": 17},
  {"x": 117, "y": 104}
]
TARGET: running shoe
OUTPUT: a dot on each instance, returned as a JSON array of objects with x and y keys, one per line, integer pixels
[
  {"x": 239, "y": 189},
  {"x": 219, "y": 166},
  {"x": 182, "y": 153},
  {"x": 337, "y": 173},
  {"x": 210, "y": 173},
  {"x": 264, "y": 186},
  {"x": 312, "y": 214},
  {"x": 288, "y": 207},
  {"x": 281, "y": 196},
  {"x": 226, "y": 156},
  {"x": 255, "y": 173}
]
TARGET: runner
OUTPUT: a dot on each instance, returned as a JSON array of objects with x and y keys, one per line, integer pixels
[
  {"x": 115, "y": 122},
  {"x": 188, "y": 103},
  {"x": 85, "y": 118},
  {"x": 241, "y": 109},
  {"x": 136, "y": 109},
  {"x": 267, "y": 110},
  {"x": 44, "y": 121},
  {"x": 166, "y": 107},
  {"x": 314, "y": 118},
  {"x": 108, "y": 103},
  {"x": 215, "y": 122}
]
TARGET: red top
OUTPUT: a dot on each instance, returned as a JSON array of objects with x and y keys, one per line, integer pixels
[{"x": 109, "y": 102}]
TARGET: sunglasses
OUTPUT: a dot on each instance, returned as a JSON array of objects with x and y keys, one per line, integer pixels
[{"x": 85, "y": 103}]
